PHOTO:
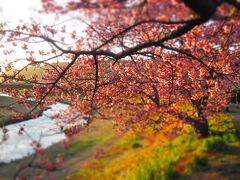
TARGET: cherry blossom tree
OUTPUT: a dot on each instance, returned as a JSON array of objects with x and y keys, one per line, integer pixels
[{"x": 138, "y": 58}]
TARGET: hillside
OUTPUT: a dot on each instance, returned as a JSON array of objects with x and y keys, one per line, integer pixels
[{"x": 38, "y": 71}]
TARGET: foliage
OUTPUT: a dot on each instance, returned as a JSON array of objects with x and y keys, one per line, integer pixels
[
  {"x": 199, "y": 164},
  {"x": 160, "y": 59},
  {"x": 224, "y": 125},
  {"x": 214, "y": 144}
]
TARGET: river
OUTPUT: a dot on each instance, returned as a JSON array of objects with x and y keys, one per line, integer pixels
[{"x": 43, "y": 129}]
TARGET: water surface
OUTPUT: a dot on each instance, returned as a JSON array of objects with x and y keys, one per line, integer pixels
[{"x": 43, "y": 129}]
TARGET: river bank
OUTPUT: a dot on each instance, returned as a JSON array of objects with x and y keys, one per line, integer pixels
[
  {"x": 98, "y": 148},
  {"x": 82, "y": 148},
  {"x": 21, "y": 139},
  {"x": 99, "y": 152},
  {"x": 9, "y": 109}
]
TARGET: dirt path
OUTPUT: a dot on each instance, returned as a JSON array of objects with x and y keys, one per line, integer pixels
[{"x": 234, "y": 110}]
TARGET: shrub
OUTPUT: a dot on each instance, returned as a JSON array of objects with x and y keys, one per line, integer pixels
[
  {"x": 230, "y": 137},
  {"x": 199, "y": 164},
  {"x": 133, "y": 141},
  {"x": 214, "y": 143}
]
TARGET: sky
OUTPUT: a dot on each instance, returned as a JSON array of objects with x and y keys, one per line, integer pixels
[{"x": 15, "y": 12}]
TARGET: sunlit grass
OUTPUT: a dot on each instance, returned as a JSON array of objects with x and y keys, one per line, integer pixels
[{"x": 144, "y": 155}]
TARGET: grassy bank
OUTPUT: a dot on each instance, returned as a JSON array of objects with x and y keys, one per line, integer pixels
[
  {"x": 10, "y": 109},
  {"x": 148, "y": 155},
  {"x": 82, "y": 149},
  {"x": 99, "y": 152}
]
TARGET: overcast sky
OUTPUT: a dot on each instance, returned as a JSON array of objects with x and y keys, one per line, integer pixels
[{"x": 14, "y": 11}]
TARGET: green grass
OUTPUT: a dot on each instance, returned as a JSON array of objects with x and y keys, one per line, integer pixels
[
  {"x": 199, "y": 163},
  {"x": 214, "y": 143},
  {"x": 145, "y": 155},
  {"x": 221, "y": 123},
  {"x": 81, "y": 145},
  {"x": 132, "y": 141},
  {"x": 155, "y": 157}
]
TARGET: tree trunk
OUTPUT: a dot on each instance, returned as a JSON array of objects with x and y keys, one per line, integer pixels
[{"x": 201, "y": 127}]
